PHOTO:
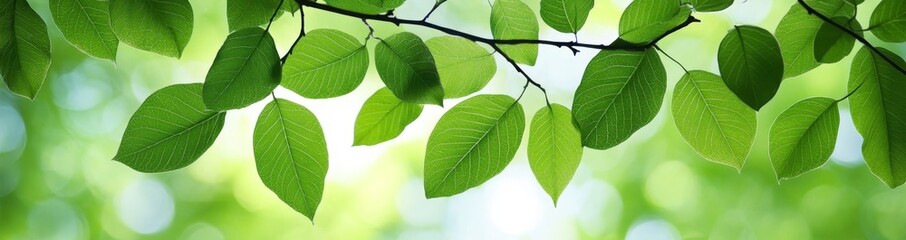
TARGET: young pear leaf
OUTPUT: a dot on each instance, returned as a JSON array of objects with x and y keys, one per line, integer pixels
[
  {"x": 888, "y": 21},
  {"x": 407, "y": 68},
  {"x": 160, "y": 26},
  {"x": 326, "y": 63},
  {"x": 366, "y": 6},
  {"x": 566, "y": 16},
  {"x": 464, "y": 67},
  {"x": 250, "y": 13},
  {"x": 473, "y": 142},
  {"x": 751, "y": 64},
  {"x": 644, "y": 21},
  {"x": 554, "y": 148},
  {"x": 246, "y": 70},
  {"x": 291, "y": 154},
  {"x": 621, "y": 91},
  {"x": 513, "y": 19},
  {"x": 170, "y": 130},
  {"x": 24, "y": 48},
  {"x": 383, "y": 117},
  {"x": 712, "y": 119},
  {"x": 879, "y": 113},
  {"x": 86, "y": 25},
  {"x": 709, "y": 5},
  {"x": 803, "y": 136}
]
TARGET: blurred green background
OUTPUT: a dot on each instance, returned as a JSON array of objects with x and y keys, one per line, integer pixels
[{"x": 57, "y": 180}]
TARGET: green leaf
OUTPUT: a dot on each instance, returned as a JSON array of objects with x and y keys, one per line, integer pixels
[
  {"x": 464, "y": 67},
  {"x": 86, "y": 25},
  {"x": 170, "y": 130},
  {"x": 513, "y": 19},
  {"x": 246, "y": 70},
  {"x": 796, "y": 34},
  {"x": 366, "y": 6},
  {"x": 473, "y": 142},
  {"x": 566, "y": 16},
  {"x": 250, "y": 13},
  {"x": 833, "y": 44},
  {"x": 291, "y": 155},
  {"x": 554, "y": 149},
  {"x": 160, "y": 26},
  {"x": 834, "y": 8},
  {"x": 888, "y": 21},
  {"x": 290, "y": 6},
  {"x": 712, "y": 120},
  {"x": 621, "y": 91},
  {"x": 407, "y": 68},
  {"x": 879, "y": 113},
  {"x": 24, "y": 48},
  {"x": 751, "y": 64},
  {"x": 645, "y": 20},
  {"x": 709, "y": 5},
  {"x": 383, "y": 117},
  {"x": 803, "y": 136},
  {"x": 326, "y": 63}
]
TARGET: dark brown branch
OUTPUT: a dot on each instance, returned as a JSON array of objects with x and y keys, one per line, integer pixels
[
  {"x": 301, "y": 34},
  {"x": 852, "y": 33},
  {"x": 528, "y": 79}
]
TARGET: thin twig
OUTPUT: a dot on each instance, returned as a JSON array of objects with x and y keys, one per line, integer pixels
[
  {"x": 301, "y": 34},
  {"x": 671, "y": 58},
  {"x": 852, "y": 33},
  {"x": 436, "y": 5},
  {"x": 528, "y": 79}
]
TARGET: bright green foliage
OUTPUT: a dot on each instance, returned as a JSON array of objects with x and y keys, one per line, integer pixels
[
  {"x": 645, "y": 20},
  {"x": 879, "y": 113},
  {"x": 407, "y": 68},
  {"x": 513, "y": 19},
  {"x": 803, "y": 136},
  {"x": 326, "y": 63},
  {"x": 554, "y": 148},
  {"x": 159, "y": 26},
  {"x": 796, "y": 33},
  {"x": 383, "y": 117},
  {"x": 566, "y": 16},
  {"x": 833, "y": 44},
  {"x": 888, "y": 21},
  {"x": 24, "y": 48},
  {"x": 291, "y": 154},
  {"x": 464, "y": 67},
  {"x": 86, "y": 25},
  {"x": 712, "y": 119},
  {"x": 170, "y": 130},
  {"x": 621, "y": 91},
  {"x": 246, "y": 70},
  {"x": 250, "y": 13},
  {"x": 472, "y": 143},
  {"x": 834, "y": 8},
  {"x": 709, "y": 5},
  {"x": 366, "y": 6},
  {"x": 751, "y": 64}
]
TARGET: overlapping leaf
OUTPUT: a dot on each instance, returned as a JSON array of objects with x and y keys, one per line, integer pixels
[
  {"x": 246, "y": 70},
  {"x": 554, "y": 149},
  {"x": 464, "y": 67},
  {"x": 24, "y": 48},
  {"x": 833, "y": 44},
  {"x": 709, "y": 5},
  {"x": 291, "y": 155},
  {"x": 474, "y": 141},
  {"x": 86, "y": 25},
  {"x": 366, "y": 6},
  {"x": 803, "y": 136},
  {"x": 712, "y": 119},
  {"x": 621, "y": 91},
  {"x": 567, "y": 16},
  {"x": 170, "y": 130},
  {"x": 250, "y": 13},
  {"x": 645, "y": 20},
  {"x": 751, "y": 64},
  {"x": 160, "y": 26},
  {"x": 326, "y": 63},
  {"x": 513, "y": 19},
  {"x": 407, "y": 68},
  {"x": 888, "y": 21},
  {"x": 879, "y": 113},
  {"x": 383, "y": 117}
]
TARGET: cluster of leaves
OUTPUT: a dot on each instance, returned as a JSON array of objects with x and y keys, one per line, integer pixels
[{"x": 621, "y": 91}]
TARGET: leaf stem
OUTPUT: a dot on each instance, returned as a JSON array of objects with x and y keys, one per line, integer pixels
[
  {"x": 301, "y": 34},
  {"x": 671, "y": 58},
  {"x": 436, "y": 5},
  {"x": 528, "y": 79},
  {"x": 851, "y": 92}
]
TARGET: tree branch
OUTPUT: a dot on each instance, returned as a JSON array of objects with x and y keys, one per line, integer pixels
[
  {"x": 301, "y": 34},
  {"x": 852, "y": 33},
  {"x": 528, "y": 79}
]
